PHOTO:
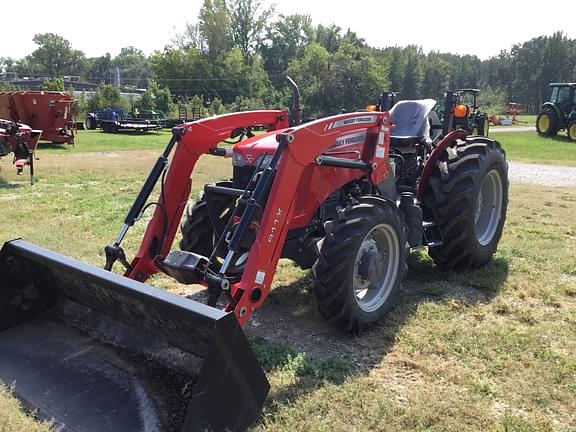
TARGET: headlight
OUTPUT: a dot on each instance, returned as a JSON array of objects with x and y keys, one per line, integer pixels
[{"x": 237, "y": 159}]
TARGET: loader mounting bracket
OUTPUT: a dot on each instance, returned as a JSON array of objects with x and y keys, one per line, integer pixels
[
  {"x": 185, "y": 267},
  {"x": 113, "y": 254}
]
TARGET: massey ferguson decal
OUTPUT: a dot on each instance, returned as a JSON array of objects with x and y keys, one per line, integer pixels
[
  {"x": 351, "y": 139},
  {"x": 353, "y": 120}
]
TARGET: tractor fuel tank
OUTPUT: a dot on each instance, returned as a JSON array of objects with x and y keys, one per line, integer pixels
[{"x": 95, "y": 351}]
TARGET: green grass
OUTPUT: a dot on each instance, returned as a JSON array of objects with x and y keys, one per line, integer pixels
[
  {"x": 491, "y": 349},
  {"x": 530, "y": 147},
  {"x": 97, "y": 141}
]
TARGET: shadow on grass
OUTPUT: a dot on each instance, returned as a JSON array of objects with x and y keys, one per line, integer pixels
[
  {"x": 562, "y": 137},
  {"x": 292, "y": 340},
  {"x": 51, "y": 146},
  {"x": 8, "y": 185}
]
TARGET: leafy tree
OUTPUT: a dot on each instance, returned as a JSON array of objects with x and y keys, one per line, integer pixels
[
  {"x": 53, "y": 84},
  {"x": 184, "y": 72},
  {"x": 397, "y": 68},
  {"x": 286, "y": 40},
  {"x": 329, "y": 37},
  {"x": 412, "y": 73},
  {"x": 217, "y": 107},
  {"x": 100, "y": 69},
  {"x": 311, "y": 72},
  {"x": 191, "y": 38},
  {"x": 492, "y": 100},
  {"x": 243, "y": 103},
  {"x": 348, "y": 79},
  {"x": 161, "y": 96},
  {"x": 248, "y": 20},
  {"x": 55, "y": 56},
  {"x": 6, "y": 86},
  {"x": 7, "y": 64},
  {"x": 237, "y": 76},
  {"x": 133, "y": 66},
  {"x": 435, "y": 77},
  {"x": 214, "y": 26},
  {"x": 106, "y": 96},
  {"x": 146, "y": 101}
]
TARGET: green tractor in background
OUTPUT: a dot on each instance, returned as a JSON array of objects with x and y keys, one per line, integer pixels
[{"x": 559, "y": 113}]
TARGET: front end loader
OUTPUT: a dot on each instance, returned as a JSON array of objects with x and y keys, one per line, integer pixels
[{"x": 347, "y": 196}]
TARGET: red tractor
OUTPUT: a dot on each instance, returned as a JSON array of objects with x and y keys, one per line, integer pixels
[
  {"x": 21, "y": 140},
  {"x": 349, "y": 196}
]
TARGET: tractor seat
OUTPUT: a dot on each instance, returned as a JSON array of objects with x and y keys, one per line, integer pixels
[{"x": 411, "y": 125}]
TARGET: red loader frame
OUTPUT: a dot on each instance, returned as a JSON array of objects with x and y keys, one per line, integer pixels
[{"x": 306, "y": 159}]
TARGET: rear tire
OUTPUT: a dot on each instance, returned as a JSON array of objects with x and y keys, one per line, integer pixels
[
  {"x": 547, "y": 123},
  {"x": 361, "y": 264},
  {"x": 572, "y": 130},
  {"x": 467, "y": 197}
]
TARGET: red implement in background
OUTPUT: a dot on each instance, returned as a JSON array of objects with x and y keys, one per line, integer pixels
[
  {"x": 48, "y": 111},
  {"x": 21, "y": 140}
]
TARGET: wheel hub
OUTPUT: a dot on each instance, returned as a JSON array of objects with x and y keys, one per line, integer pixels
[
  {"x": 371, "y": 266},
  {"x": 488, "y": 209},
  {"x": 376, "y": 267},
  {"x": 544, "y": 123}
]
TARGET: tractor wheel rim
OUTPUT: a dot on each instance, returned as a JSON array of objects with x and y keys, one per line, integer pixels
[
  {"x": 572, "y": 132},
  {"x": 374, "y": 283},
  {"x": 543, "y": 123},
  {"x": 488, "y": 207}
]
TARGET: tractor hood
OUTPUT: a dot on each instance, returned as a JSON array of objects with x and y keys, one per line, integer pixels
[{"x": 248, "y": 152}]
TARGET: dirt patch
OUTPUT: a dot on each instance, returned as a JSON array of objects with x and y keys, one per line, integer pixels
[{"x": 100, "y": 161}]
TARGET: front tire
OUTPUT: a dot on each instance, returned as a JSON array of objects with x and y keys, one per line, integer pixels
[
  {"x": 199, "y": 234},
  {"x": 361, "y": 264},
  {"x": 197, "y": 231},
  {"x": 467, "y": 197},
  {"x": 547, "y": 123}
]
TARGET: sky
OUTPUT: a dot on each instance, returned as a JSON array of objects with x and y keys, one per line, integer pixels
[{"x": 459, "y": 27}]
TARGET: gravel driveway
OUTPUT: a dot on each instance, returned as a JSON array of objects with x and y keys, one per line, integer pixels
[
  {"x": 513, "y": 129},
  {"x": 547, "y": 175}
]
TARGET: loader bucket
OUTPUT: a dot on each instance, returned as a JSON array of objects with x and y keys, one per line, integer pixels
[{"x": 94, "y": 351}]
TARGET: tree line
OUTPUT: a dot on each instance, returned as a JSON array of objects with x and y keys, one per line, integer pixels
[{"x": 236, "y": 53}]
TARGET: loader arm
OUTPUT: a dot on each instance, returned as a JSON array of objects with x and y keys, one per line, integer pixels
[
  {"x": 304, "y": 146},
  {"x": 194, "y": 139}
]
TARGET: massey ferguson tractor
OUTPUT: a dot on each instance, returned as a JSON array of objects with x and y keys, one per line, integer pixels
[
  {"x": 21, "y": 140},
  {"x": 347, "y": 196}
]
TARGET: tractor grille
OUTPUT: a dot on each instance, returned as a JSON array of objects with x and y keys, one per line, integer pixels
[{"x": 329, "y": 207}]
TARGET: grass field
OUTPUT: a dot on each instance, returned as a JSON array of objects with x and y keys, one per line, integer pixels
[
  {"x": 491, "y": 349},
  {"x": 530, "y": 147}
]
